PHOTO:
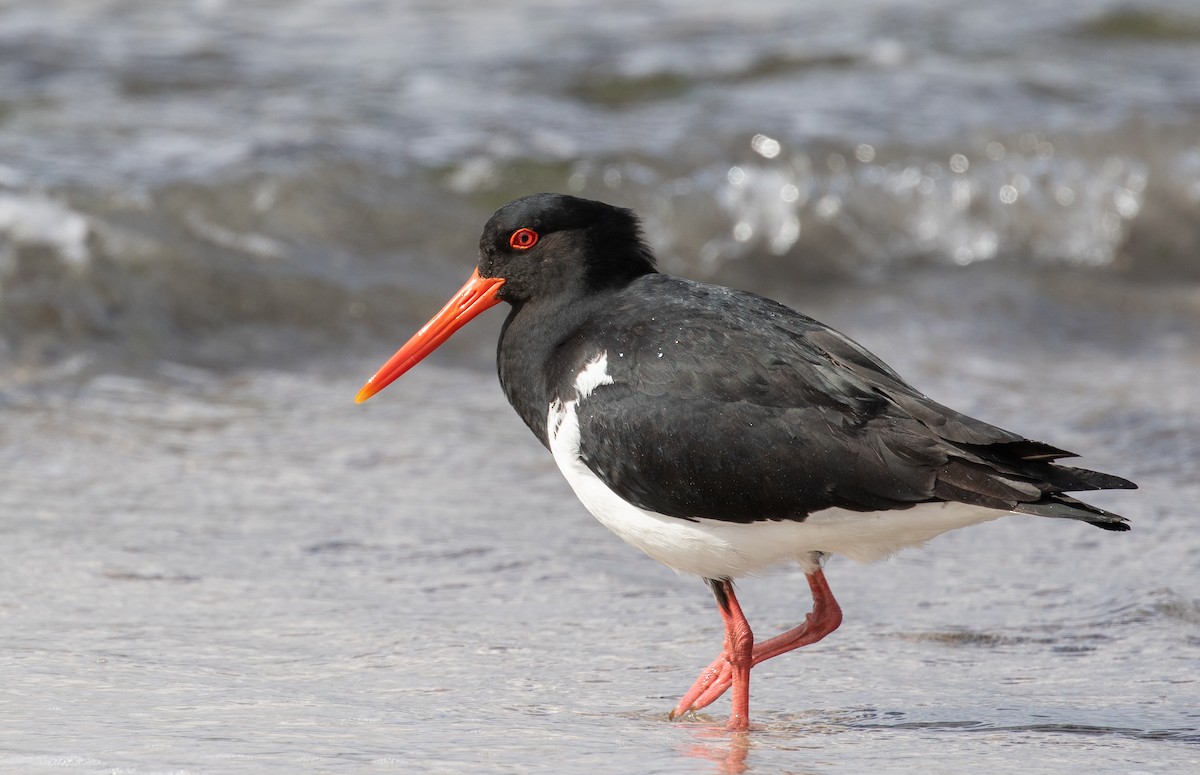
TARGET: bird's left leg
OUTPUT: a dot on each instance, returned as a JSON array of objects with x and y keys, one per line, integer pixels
[{"x": 737, "y": 657}]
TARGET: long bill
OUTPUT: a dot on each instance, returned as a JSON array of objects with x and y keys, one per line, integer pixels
[{"x": 478, "y": 294}]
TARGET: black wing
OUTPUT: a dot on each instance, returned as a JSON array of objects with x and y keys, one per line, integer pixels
[{"x": 790, "y": 418}]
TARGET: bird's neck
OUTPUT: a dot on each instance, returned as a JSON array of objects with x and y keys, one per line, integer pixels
[{"x": 528, "y": 340}]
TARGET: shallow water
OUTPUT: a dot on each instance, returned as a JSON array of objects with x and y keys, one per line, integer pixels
[
  {"x": 249, "y": 573},
  {"x": 217, "y": 219}
]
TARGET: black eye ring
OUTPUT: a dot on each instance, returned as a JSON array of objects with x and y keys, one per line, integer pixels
[{"x": 523, "y": 239}]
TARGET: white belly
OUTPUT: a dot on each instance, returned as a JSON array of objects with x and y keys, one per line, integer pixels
[{"x": 715, "y": 549}]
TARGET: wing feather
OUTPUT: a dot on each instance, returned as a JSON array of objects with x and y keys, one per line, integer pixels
[{"x": 791, "y": 417}]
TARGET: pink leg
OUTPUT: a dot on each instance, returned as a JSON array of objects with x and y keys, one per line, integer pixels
[
  {"x": 714, "y": 680},
  {"x": 738, "y": 653}
]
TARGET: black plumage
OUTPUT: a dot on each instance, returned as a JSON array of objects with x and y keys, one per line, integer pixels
[{"x": 730, "y": 406}]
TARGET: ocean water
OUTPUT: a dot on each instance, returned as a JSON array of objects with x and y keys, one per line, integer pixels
[{"x": 217, "y": 219}]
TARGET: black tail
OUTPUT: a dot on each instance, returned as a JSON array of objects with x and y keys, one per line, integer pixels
[
  {"x": 1022, "y": 476},
  {"x": 1066, "y": 507}
]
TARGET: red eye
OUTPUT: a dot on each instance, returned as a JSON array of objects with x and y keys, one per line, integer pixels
[{"x": 523, "y": 239}]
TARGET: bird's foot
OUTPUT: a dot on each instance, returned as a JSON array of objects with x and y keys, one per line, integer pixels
[{"x": 714, "y": 680}]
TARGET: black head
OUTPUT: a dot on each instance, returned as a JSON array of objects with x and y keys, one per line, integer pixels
[{"x": 548, "y": 244}]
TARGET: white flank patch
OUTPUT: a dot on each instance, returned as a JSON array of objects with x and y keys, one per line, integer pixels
[
  {"x": 714, "y": 548},
  {"x": 594, "y": 374}
]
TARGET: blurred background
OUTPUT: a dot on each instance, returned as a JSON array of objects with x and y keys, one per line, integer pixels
[
  {"x": 212, "y": 181},
  {"x": 218, "y": 218}
]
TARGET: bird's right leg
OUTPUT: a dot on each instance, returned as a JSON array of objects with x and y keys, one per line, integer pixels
[{"x": 737, "y": 657}]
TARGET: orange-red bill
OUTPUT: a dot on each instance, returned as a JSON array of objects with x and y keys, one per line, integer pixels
[{"x": 478, "y": 294}]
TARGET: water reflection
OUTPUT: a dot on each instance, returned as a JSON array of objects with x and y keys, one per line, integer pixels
[{"x": 728, "y": 750}]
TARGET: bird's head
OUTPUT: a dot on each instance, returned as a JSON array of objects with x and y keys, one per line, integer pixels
[
  {"x": 544, "y": 246},
  {"x": 548, "y": 245}
]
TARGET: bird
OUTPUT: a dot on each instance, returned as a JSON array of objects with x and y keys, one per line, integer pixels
[{"x": 723, "y": 433}]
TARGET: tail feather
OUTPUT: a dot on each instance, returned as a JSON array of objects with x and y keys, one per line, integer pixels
[
  {"x": 1069, "y": 479},
  {"x": 1029, "y": 450},
  {"x": 1022, "y": 476},
  {"x": 1065, "y": 507}
]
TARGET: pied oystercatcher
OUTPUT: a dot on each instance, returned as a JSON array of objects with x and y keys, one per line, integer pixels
[{"x": 721, "y": 432}]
